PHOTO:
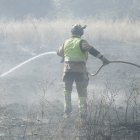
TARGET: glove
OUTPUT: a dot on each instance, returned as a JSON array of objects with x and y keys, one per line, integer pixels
[{"x": 105, "y": 60}]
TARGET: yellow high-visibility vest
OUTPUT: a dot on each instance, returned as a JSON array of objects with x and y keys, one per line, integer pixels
[{"x": 73, "y": 52}]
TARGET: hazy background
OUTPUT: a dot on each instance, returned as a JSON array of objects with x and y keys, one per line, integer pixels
[
  {"x": 53, "y": 9},
  {"x": 31, "y": 27}
]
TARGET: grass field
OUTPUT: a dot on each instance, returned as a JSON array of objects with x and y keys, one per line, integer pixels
[{"x": 31, "y": 104}]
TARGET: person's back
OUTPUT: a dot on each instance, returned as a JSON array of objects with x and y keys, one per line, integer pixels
[
  {"x": 72, "y": 50},
  {"x": 74, "y": 58}
]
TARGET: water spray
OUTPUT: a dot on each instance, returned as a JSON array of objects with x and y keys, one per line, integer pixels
[{"x": 25, "y": 62}]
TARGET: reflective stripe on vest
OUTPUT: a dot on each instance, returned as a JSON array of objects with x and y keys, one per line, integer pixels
[{"x": 72, "y": 50}]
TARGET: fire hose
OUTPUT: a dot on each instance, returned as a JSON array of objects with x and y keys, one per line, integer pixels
[{"x": 124, "y": 62}]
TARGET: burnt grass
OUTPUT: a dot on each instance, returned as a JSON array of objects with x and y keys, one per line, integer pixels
[{"x": 45, "y": 121}]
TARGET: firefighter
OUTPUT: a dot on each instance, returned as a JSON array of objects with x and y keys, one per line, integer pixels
[{"x": 74, "y": 52}]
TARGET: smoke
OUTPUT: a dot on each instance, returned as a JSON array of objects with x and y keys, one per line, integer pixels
[{"x": 36, "y": 36}]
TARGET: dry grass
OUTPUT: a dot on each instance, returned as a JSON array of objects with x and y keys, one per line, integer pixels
[{"x": 44, "y": 32}]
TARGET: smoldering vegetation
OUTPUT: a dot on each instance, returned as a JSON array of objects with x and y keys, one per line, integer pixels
[
  {"x": 107, "y": 120},
  {"x": 32, "y": 96}
]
